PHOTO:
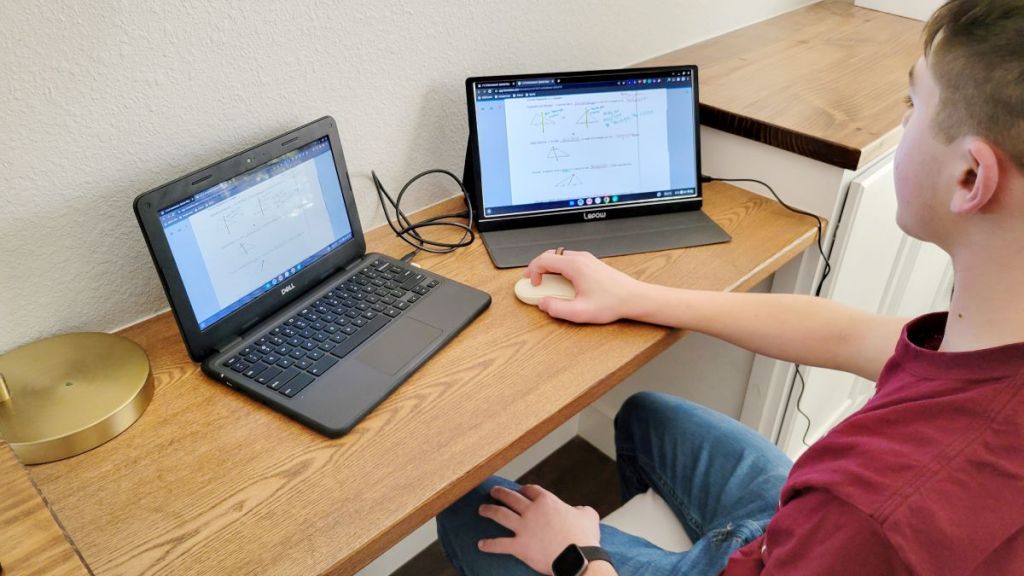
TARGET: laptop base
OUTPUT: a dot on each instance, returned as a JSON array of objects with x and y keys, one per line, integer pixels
[{"x": 512, "y": 248}]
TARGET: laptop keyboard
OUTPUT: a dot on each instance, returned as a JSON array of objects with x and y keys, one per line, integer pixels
[{"x": 292, "y": 355}]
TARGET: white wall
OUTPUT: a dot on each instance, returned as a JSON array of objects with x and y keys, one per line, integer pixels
[{"x": 100, "y": 101}]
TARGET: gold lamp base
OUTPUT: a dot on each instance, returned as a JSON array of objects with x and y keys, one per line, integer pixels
[{"x": 68, "y": 394}]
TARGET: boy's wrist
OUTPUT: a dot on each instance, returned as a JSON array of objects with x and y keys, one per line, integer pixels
[
  {"x": 650, "y": 304},
  {"x": 640, "y": 305}
]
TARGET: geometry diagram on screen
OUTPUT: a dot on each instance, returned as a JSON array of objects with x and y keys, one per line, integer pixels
[
  {"x": 570, "y": 180},
  {"x": 587, "y": 118},
  {"x": 544, "y": 120},
  {"x": 557, "y": 154}
]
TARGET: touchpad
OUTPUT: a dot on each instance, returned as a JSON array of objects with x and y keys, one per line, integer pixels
[{"x": 400, "y": 343}]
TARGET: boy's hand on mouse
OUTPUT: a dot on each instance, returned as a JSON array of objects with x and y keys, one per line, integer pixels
[{"x": 603, "y": 294}]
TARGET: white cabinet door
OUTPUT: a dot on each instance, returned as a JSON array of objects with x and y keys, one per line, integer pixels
[{"x": 876, "y": 268}]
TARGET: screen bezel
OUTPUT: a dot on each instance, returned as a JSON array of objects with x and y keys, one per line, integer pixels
[
  {"x": 569, "y": 215},
  {"x": 199, "y": 343}
]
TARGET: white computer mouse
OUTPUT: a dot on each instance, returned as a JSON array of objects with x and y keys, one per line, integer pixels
[{"x": 553, "y": 285}]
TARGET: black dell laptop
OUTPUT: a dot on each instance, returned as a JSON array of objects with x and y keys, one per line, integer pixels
[{"x": 264, "y": 263}]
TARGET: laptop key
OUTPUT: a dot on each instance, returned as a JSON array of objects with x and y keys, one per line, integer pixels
[
  {"x": 255, "y": 370},
  {"x": 285, "y": 362},
  {"x": 283, "y": 378},
  {"x": 323, "y": 365},
  {"x": 297, "y": 353},
  {"x": 359, "y": 337},
  {"x": 315, "y": 354},
  {"x": 303, "y": 364},
  {"x": 239, "y": 366},
  {"x": 393, "y": 312},
  {"x": 296, "y": 385},
  {"x": 268, "y": 375},
  {"x": 252, "y": 358},
  {"x": 271, "y": 358},
  {"x": 413, "y": 280}
]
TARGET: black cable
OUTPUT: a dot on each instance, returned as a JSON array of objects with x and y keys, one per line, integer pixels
[
  {"x": 821, "y": 248},
  {"x": 799, "y": 410},
  {"x": 817, "y": 291},
  {"x": 409, "y": 231}
]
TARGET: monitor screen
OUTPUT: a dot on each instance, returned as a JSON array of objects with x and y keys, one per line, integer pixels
[
  {"x": 572, "y": 142},
  {"x": 238, "y": 239}
]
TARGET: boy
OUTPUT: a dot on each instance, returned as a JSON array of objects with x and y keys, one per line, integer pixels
[{"x": 927, "y": 478}]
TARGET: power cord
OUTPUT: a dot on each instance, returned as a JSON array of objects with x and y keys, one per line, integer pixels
[
  {"x": 409, "y": 231},
  {"x": 817, "y": 291},
  {"x": 820, "y": 239}
]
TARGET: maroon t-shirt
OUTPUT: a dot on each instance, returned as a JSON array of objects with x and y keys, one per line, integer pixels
[{"x": 927, "y": 478}]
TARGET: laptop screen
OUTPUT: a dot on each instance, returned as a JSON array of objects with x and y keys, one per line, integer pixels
[
  {"x": 237, "y": 240},
  {"x": 551, "y": 144}
]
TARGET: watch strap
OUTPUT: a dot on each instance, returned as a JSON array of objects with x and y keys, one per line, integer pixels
[{"x": 594, "y": 553}]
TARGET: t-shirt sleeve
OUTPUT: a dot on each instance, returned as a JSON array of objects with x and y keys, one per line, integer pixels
[{"x": 817, "y": 533}]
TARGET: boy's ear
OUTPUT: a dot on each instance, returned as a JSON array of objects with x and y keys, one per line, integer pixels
[{"x": 978, "y": 179}]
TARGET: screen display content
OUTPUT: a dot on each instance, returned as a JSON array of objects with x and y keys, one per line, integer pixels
[
  {"x": 571, "y": 143},
  {"x": 239, "y": 239}
]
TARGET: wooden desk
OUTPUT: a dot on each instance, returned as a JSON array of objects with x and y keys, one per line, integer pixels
[
  {"x": 210, "y": 482},
  {"x": 31, "y": 541}
]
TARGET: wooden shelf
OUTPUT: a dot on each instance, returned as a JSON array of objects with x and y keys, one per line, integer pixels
[{"x": 826, "y": 81}]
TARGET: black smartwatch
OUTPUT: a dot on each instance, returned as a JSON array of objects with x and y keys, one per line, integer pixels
[{"x": 573, "y": 561}]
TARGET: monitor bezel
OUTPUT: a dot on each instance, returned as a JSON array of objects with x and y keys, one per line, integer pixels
[
  {"x": 570, "y": 215},
  {"x": 204, "y": 343}
]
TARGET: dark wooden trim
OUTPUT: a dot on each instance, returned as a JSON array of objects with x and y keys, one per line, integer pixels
[{"x": 790, "y": 140}]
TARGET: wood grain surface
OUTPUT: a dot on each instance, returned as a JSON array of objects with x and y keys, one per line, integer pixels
[
  {"x": 210, "y": 482},
  {"x": 31, "y": 541},
  {"x": 826, "y": 81}
]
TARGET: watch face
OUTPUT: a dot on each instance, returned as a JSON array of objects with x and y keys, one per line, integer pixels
[{"x": 570, "y": 562}]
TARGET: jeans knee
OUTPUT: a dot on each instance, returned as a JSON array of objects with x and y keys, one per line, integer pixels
[
  {"x": 638, "y": 409},
  {"x": 464, "y": 511}
]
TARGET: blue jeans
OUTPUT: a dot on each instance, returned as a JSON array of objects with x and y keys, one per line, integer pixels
[{"x": 721, "y": 479}]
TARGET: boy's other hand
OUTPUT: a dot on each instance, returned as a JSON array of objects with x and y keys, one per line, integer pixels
[
  {"x": 603, "y": 294},
  {"x": 543, "y": 526}
]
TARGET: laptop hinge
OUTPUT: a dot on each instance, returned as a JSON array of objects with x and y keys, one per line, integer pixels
[{"x": 234, "y": 342}]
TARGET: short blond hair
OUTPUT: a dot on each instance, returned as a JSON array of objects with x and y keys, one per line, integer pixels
[{"x": 975, "y": 49}]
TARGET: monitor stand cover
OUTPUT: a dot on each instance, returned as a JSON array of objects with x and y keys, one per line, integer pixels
[{"x": 511, "y": 248}]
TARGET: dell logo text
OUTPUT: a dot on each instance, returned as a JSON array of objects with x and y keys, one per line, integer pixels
[
  {"x": 594, "y": 215},
  {"x": 287, "y": 289}
]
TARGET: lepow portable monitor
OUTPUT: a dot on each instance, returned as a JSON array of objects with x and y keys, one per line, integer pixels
[{"x": 604, "y": 161}]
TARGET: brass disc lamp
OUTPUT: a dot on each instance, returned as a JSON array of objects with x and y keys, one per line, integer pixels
[{"x": 68, "y": 394}]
